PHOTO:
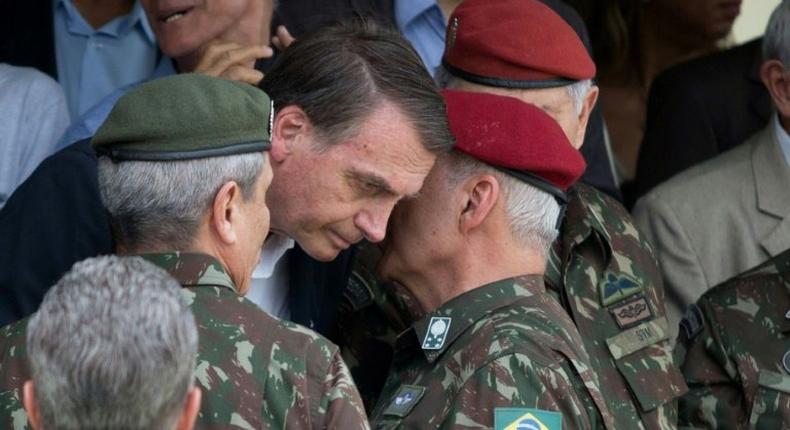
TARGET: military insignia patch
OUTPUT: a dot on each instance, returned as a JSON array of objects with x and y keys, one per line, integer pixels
[
  {"x": 786, "y": 361},
  {"x": 405, "y": 400},
  {"x": 631, "y": 312},
  {"x": 526, "y": 419},
  {"x": 616, "y": 287},
  {"x": 692, "y": 322},
  {"x": 436, "y": 333},
  {"x": 453, "y": 32}
]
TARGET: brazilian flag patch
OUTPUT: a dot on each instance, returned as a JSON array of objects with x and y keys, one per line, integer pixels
[{"x": 526, "y": 419}]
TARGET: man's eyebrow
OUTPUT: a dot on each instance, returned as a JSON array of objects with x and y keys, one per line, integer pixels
[{"x": 371, "y": 180}]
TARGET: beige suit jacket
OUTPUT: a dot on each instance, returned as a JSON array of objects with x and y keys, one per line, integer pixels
[{"x": 718, "y": 219}]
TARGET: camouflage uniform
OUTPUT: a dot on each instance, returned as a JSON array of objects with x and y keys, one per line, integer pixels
[
  {"x": 735, "y": 348},
  {"x": 255, "y": 371},
  {"x": 604, "y": 274},
  {"x": 505, "y": 344}
]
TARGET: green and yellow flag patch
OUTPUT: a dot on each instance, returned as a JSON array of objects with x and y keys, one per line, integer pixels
[{"x": 526, "y": 419}]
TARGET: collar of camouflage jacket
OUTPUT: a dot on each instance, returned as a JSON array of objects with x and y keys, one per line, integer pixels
[
  {"x": 582, "y": 221},
  {"x": 193, "y": 269},
  {"x": 468, "y": 308}
]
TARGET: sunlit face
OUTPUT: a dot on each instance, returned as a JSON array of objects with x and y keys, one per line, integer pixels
[
  {"x": 713, "y": 19},
  {"x": 330, "y": 198},
  {"x": 556, "y": 102},
  {"x": 252, "y": 229},
  {"x": 186, "y": 27},
  {"x": 423, "y": 232}
]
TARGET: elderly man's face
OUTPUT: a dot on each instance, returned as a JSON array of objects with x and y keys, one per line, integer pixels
[
  {"x": 186, "y": 27},
  {"x": 556, "y": 102},
  {"x": 328, "y": 198}
]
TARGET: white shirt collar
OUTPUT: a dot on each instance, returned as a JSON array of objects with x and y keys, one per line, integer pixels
[
  {"x": 273, "y": 250},
  {"x": 782, "y": 137}
]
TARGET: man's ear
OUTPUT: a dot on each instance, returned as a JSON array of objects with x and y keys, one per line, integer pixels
[
  {"x": 775, "y": 78},
  {"x": 481, "y": 193},
  {"x": 225, "y": 212},
  {"x": 186, "y": 421},
  {"x": 29, "y": 402},
  {"x": 291, "y": 125},
  {"x": 584, "y": 116}
]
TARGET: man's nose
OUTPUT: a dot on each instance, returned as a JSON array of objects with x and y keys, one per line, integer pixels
[{"x": 373, "y": 222}]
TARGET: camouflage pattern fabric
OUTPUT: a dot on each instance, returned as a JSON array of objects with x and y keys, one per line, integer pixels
[
  {"x": 604, "y": 273},
  {"x": 256, "y": 372},
  {"x": 735, "y": 348},
  {"x": 506, "y": 344}
]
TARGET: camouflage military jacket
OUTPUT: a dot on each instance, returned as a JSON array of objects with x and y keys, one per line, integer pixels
[
  {"x": 735, "y": 349},
  {"x": 604, "y": 274},
  {"x": 255, "y": 371},
  {"x": 504, "y": 345}
]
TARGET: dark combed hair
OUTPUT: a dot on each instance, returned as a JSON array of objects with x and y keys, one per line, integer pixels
[{"x": 341, "y": 72}]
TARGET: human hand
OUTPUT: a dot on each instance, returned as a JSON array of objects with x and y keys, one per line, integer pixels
[
  {"x": 282, "y": 39},
  {"x": 233, "y": 61}
]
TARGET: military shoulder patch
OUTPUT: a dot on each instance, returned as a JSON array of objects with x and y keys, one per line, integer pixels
[
  {"x": 437, "y": 332},
  {"x": 526, "y": 419},
  {"x": 631, "y": 312},
  {"x": 616, "y": 287},
  {"x": 405, "y": 400},
  {"x": 692, "y": 322}
]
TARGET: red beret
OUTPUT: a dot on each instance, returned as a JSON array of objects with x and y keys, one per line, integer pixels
[
  {"x": 514, "y": 44},
  {"x": 515, "y": 137}
]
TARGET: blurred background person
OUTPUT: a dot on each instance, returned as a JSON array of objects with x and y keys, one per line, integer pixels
[
  {"x": 33, "y": 115},
  {"x": 732, "y": 212},
  {"x": 91, "y": 47},
  {"x": 633, "y": 41},
  {"x": 94, "y": 362}
]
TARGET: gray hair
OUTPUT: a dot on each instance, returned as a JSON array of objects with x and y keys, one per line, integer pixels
[
  {"x": 776, "y": 42},
  {"x": 531, "y": 212},
  {"x": 162, "y": 203},
  {"x": 113, "y": 346},
  {"x": 577, "y": 91}
]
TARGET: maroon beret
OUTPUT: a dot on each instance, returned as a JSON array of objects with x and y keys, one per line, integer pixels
[
  {"x": 514, "y": 44},
  {"x": 515, "y": 137}
]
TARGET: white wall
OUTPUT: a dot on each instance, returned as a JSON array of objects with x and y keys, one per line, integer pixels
[{"x": 754, "y": 16}]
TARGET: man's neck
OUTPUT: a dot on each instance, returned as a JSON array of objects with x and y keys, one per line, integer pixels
[
  {"x": 100, "y": 12},
  {"x": 475, "y": 267}
]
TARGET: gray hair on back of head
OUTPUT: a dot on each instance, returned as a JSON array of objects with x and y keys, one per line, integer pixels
[
  {"x": 160, "y": 204},
  {"x": 531, "y": 213},
  {"x": 113, "y": 346},
  {"x": 776, "y": 42},
  {"x": 577, "y": 91}
]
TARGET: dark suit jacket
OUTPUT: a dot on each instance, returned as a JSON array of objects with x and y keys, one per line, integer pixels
[
  {"x": 699, "y": 109},
  {"x": 27, "y": 34},
  {"x": 56, "y": 218},
  {"x": 301, "y": 16}
]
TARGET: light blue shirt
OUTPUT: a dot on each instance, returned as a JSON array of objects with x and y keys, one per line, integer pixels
[
  {"x": 782, "y": 137},
  {"x": 90, "y": 121},
  {"x": 93, "y": 63},
  {"x": 422, "y": 23},
  {"x": 32, "y": 117}
]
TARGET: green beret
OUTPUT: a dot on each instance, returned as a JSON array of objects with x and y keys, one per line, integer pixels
[{"x": 185, "y": 117}]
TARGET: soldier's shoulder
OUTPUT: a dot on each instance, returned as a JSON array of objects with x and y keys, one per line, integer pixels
[
  {"x": 534, "y": 327},
  {"x": 610, "y": 214},
  {"x": 15, "y": 330}
]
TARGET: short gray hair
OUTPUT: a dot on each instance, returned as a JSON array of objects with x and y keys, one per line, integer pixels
[
  {"x": 577, "y": 91},
  {"x": 776, "y": 42},
  {"x": 113, "y": 346},
  {"x": 531, "y": 212},
  {"x": 162, "y": 203}
]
